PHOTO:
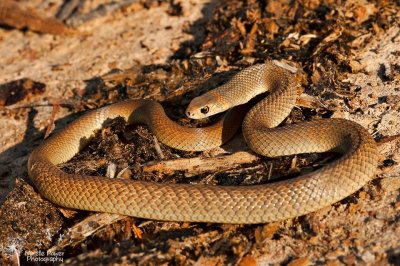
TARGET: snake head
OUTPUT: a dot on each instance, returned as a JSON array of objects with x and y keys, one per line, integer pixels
[{"x": 205, "y": 105}]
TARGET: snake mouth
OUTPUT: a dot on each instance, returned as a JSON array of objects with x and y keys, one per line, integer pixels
[
  {"x": 191, "y": 114},
  {"x": 188, "y": 114}
]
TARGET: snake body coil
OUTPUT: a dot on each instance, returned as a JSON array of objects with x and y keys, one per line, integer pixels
[{"x": 207, "y": 203}]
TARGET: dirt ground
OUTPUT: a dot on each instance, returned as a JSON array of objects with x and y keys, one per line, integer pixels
[{"x": 349, "y": 53}]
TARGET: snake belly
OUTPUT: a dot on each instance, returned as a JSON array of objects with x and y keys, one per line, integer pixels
[{"x": 208, "y": 203}]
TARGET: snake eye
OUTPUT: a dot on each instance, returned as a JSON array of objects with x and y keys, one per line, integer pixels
[{"x": 204, "y": 110}]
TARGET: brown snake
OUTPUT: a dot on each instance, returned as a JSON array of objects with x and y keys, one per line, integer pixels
[{"x": 208, "y": 203}]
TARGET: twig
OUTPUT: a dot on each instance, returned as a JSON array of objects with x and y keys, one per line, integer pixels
[
  {"x": 387, "y": 139},
  {"x": 51, "y": 125},
  {"x": 101, "y": 10},
  {"x": 68, "y": 8},
  {"x": 158, "y": 148},
  {"x": 82, "y": 230},
  {"x": 62, "y": 103},
  {"x": 13, "y": 15},
  {"x": 195, "y": 166}
]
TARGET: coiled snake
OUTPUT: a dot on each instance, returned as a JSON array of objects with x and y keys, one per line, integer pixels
[{"x": 208, "y": 203}]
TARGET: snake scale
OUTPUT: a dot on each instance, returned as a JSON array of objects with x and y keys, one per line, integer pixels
[{"x": 207, "y": 203}]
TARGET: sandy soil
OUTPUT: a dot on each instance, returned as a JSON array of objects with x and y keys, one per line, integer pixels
[{"x": 171, "y": 52}]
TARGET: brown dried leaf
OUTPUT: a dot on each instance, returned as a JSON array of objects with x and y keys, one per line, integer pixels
[
  {"x": 137, "y": 231},
  {"x": 306, "y": 38},
  {"x": 270, "y": 26},
  {"x": 360, "y": 10},
  {"x": 300, "y": 262},
  {"x": 266, "y": 231},
  {"x": 240, "y": 26},
  {"x": 68, "y": 213},
  {"x": 278, "y": 8},
  {"x": 312, "y": 4},
  {"x": 328, "y": 40},
  {"x": 251, "y": 40},
  {"x": 210, "y": 261},
  {"x": 248, "y": 261},
  {"x": 356, "y": 66}
]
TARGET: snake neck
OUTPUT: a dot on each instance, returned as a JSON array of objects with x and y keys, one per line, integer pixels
[{"x": 272, "y": 110}]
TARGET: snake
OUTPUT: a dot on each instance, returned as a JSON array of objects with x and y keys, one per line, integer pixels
[{"x": 247, "y": 204}]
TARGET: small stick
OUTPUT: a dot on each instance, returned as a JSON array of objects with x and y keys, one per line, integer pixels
[
  {"x": 62, "y": 103},
  {"x": 158, "y": 148},
  {"x": 86, "y": 228},
  {"x": 13, "y": 15},
  {"x": 195, "y": 166}
]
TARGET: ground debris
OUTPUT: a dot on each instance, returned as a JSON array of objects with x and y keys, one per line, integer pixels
[
  {"x": 17, "y": 90},
  {"x": 28, "y": 223},
  {"x": 14, "y": 15}
]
